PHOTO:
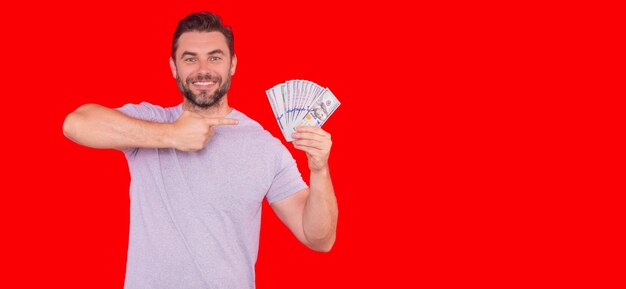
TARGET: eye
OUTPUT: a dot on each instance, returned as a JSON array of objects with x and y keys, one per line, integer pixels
[
  {"x": 189, "y": 59},
  {"x": 214, "y": 58}
]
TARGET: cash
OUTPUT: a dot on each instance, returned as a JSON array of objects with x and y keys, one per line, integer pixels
[{"x": 300, "y": 102}]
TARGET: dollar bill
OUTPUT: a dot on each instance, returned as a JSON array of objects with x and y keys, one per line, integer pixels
[
  {"x": 320, "y": 111},
  {"x": 300, "y": 102}
]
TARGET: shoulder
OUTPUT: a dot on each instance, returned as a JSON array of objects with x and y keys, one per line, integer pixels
[{"x": 151, "y": 112}]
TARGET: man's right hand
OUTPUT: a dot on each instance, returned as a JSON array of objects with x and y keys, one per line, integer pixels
[{"x": 192, "y": 131}]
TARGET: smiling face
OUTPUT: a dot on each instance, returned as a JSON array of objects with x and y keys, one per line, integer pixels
[{"x": 203, "y": 67}]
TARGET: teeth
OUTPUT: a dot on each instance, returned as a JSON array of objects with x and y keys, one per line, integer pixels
[{"x": 204, "y": 83}]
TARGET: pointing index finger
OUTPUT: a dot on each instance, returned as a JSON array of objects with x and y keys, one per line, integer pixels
[{"x": 222, "y": 121}]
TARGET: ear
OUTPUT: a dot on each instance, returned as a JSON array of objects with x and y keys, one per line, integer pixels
[
  {"x": 173, "y": 67},
  {"x": 233, "y": 65}
]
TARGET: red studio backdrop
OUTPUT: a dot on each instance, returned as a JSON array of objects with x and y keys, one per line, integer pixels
[{"x": 478, "y": 144}]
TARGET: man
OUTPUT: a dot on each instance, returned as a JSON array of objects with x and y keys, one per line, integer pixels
[{"x": 200, "y": 171}]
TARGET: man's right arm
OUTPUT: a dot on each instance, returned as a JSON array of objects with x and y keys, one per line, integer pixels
[{"x": 97, "y": 126}]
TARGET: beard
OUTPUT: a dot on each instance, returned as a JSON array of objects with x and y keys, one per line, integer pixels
[{"x": 203, "y": 99}]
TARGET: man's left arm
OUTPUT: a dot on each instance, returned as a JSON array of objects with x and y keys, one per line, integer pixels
[{"x": 312, "y": 213}]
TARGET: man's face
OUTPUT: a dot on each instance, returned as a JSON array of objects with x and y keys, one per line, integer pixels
[{"x": 203, "y": 67}]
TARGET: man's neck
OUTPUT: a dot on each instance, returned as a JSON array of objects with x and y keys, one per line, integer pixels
[{"x": 220, "y": 109}]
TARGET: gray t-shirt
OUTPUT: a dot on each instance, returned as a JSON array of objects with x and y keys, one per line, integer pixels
[{"x": 195, "y": 216}]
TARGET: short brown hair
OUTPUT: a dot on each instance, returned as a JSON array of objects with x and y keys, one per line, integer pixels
[{"x": 203, "y": 21}]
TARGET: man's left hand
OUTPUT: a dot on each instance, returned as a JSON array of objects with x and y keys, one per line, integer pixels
[{"x": 316, "y": 143}]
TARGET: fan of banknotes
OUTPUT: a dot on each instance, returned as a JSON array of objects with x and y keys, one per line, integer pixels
[{"x": 301, "y": 102}]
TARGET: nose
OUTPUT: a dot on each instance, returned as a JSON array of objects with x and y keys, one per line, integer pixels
[{"x": 203, "y": 67}]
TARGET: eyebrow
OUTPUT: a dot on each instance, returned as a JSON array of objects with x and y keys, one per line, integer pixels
[{"x": 216, "y": 51}]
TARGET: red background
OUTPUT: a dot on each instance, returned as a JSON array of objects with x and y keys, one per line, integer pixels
[{"x": 478, "y": 145}]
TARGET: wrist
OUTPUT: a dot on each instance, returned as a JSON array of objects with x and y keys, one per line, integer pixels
[
  {"x": 166, "y": 136},
  {"x": 323, "y": 171}
]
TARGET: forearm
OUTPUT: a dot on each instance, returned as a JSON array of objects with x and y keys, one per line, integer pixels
[
  {"x": 97, "y": 126},
  {"x": 320, "y": 212}
]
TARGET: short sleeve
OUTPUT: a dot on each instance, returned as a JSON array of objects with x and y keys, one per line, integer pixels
[
  {"x": 287, "y": 179},
  {"x": 143, "y": 111}
]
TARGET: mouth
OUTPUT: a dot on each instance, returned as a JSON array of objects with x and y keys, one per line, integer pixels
[{"x": 203, "y": 84}]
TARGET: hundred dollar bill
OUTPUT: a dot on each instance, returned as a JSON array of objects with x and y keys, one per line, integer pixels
[
  {"x": 312, "y": 91},
  {"x": 318, "y": 113},
  {"x": 275, "y": 107},
  {"x": 300, "y": 102},
  {"x": 299, "y": 98}
]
